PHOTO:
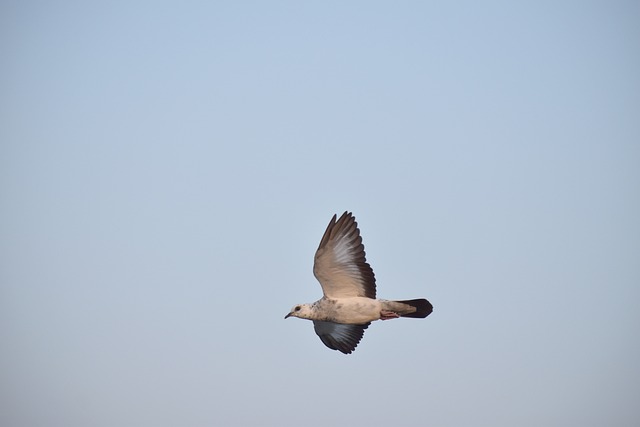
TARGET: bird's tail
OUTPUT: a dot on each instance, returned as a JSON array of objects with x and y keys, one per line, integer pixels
[{"x": 416, "y": 308}]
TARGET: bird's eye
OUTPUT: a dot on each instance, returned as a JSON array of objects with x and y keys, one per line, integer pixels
[{"x": 297, "y": 308}]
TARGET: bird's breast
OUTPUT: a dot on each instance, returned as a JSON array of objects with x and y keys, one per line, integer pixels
[{"x": 354, "y": 311}]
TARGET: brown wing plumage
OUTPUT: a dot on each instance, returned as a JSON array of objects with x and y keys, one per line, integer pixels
[{"x": 340, "y": 264}]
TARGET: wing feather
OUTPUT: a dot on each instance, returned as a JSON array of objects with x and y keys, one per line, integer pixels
[
  {"x": 340, "y": 263},
  {"x": 337, "y": 336}
]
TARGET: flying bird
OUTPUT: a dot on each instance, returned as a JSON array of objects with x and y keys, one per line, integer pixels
[{"x": 349, "y": 303}]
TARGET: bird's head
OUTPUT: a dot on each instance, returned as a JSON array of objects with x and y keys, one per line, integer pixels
[{"x": 303, "y": 311}]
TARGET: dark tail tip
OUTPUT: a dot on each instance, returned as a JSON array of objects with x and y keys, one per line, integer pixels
[{"x": 422, "y": 306}]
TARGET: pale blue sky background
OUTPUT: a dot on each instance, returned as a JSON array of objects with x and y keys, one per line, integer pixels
[{"x": 167, "y": 170}]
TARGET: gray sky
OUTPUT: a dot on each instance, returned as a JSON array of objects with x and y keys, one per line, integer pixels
[{"x": 167, "y": 170}]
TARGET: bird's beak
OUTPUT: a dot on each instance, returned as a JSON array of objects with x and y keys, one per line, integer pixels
[{"x": 287, "y": 315}]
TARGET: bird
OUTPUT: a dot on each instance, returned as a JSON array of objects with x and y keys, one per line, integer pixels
[{"x": 349, "y": 303}]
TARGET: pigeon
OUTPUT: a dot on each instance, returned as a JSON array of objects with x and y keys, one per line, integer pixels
[{"x": 349, "y": 304}]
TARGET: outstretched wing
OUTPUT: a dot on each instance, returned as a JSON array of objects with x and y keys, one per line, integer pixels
[
  {"x": 340, "y": 264},
  {"x": 338, "y": 336}
]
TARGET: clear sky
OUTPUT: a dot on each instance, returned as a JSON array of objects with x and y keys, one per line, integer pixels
[{"x": 167, "y": 170}]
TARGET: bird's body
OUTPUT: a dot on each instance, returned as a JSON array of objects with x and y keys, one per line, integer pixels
[
  {"x": 349, "y": 303},
  {"x": 355, "y": 310}
]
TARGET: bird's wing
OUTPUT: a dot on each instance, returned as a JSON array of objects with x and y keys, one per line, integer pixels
[
  {"x": 340, "y": 264},
  {"x": 338, "y": 336}
]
